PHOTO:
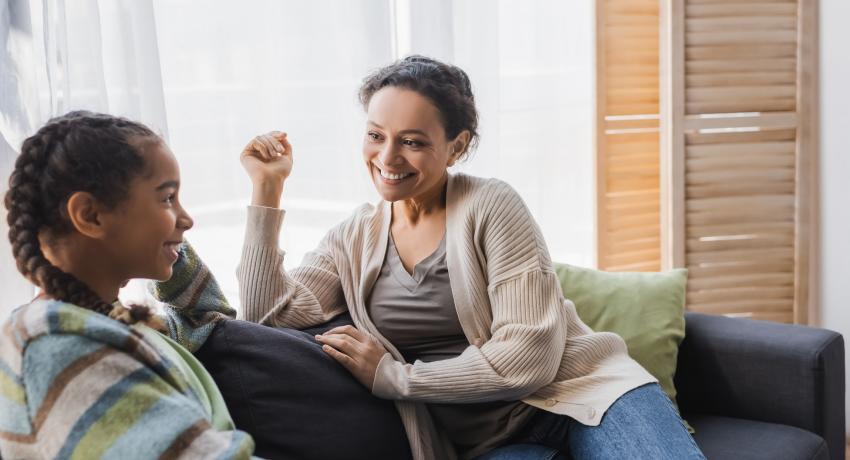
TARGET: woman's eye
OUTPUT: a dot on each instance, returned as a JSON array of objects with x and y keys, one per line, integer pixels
[
  {"x": 412, "y": 143},
  {"x": 374, "y": 136}
]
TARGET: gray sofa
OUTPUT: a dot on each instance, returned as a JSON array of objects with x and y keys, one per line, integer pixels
[{"x": 761, "y": 390}]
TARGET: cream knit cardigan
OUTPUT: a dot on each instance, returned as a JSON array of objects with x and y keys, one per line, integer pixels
[{"x": 526, "y": 340}]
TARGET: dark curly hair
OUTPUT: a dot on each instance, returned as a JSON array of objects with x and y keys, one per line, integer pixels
[
  {"x": 79, "y": 151},
  {"x": 445, "y": 85}
]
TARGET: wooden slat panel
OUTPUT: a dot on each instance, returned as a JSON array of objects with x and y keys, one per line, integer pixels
[
  {"x": 699, "y": 2},
  {"x": 743, "y": 308},
  {"x": 714, "y": 243},
  {"x": 736, "y": 268},
  {"x": 738, "y": 189},
  {"x": 740, "y": 169},
  {"x": 741, "y": 37},
  {"x": 707, "y": 66},
  {"x": 701, "y": 231},
  {"x": 700, "y": 296},
  {"x": 714, "y": 24},
  {"x": 633, "y": 233},
  {"x": 739, "y": 79},
  {"x": 647, "y": 266},
  {"x": 737, "y": 9},
  {"x": 721, "y": 52},
  {"x": 727, "y": 162},
  {"x": 628, "y": 234}
]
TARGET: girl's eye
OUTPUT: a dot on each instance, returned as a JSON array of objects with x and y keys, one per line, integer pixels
[{"x": 170, "y": 199}]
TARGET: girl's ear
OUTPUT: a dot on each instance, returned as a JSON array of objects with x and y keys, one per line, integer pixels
[
  {"x": 458, "y": 146},
  {"x": 84, "y": 212}
]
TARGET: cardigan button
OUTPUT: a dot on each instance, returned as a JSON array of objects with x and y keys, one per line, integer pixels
[
  {"x": 591, "y": 412},
  {"x": 551, "y": 402}
]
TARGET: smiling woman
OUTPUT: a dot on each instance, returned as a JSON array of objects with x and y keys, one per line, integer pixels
[{"x": 458, "y": 315}]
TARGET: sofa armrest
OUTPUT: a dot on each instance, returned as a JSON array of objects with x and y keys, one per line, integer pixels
[{"x": 771, "y": 372}]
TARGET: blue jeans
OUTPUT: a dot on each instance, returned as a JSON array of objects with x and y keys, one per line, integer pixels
[{"x": 641, "y": 424}]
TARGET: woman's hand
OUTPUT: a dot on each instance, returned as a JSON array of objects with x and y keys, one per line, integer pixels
[
  {"x": 268, "y": 161},
  {"x": 357, "y": 351}
]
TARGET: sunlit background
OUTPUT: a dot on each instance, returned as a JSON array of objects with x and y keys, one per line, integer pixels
[{"x": 211, "y": 78}]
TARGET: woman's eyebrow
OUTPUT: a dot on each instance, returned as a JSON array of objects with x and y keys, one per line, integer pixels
[
  {"x": 405, "y": 131},
  {"x": 168, "y": 184},
  {"x": 413, "y": 131}
]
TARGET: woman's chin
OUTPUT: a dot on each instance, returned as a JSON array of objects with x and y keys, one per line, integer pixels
[{"x": 391, "y": 194}]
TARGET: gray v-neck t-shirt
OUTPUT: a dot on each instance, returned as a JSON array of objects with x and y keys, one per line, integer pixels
[{"x": 416, "y": 313}]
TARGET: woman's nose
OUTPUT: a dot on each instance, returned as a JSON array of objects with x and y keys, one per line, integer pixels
[{"x": 388, "y": 154}]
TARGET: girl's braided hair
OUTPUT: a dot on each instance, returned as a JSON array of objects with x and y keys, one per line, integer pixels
[{"x": 79, "y": 151}]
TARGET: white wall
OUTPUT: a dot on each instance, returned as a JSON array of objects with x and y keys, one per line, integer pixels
[{"x": 835, "y": 171}]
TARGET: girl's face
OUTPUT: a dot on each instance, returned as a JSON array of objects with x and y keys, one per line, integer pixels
[
  {"x": 405, "y": 147},
  {"x": 144, "y": 233}
]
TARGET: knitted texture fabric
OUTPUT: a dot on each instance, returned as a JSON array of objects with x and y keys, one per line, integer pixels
[{"x": 75, "y": 383}]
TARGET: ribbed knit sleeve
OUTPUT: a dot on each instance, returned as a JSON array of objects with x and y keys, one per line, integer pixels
[
  {"x": 529, "y": 319},
  {"x": 310, "y": 295}
]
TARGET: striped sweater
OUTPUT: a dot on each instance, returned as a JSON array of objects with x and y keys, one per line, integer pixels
[
  {"x": 526, "y": 340},
  {"x": 77, "y": 384}
]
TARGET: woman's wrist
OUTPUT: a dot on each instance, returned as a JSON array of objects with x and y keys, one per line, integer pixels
[{"x": 267, "y": 193}]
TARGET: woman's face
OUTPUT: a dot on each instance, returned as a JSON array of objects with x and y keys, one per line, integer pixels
[
  {"x": 146, "y": 230},
  {"x": 405, "y": 147}
]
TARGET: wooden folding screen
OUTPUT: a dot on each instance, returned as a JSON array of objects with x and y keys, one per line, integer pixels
[
  {"x": 727, "y": 187},
  {"x": 627, "y": 142},
  {"x": 738, "y": 119}
]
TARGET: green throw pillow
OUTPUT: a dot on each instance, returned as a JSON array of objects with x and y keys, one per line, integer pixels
[{"x": 645, "y": 309}]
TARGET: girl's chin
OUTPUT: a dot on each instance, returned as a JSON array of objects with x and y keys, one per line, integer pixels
[{"x": 163, "y": 274}]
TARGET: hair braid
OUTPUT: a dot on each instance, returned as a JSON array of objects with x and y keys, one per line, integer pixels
[{"x": 80, "y": 151}]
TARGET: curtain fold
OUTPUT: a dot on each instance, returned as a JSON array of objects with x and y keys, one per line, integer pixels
[{"x": 59, "y": 56}]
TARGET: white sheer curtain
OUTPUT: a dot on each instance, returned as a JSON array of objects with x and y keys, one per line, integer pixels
[
  {"x": 236, "y": 70},
  {"x": 17, "y": 99},
  {"x": 531, "y": 65},
  {"x": 221, "y": 72},
  {"x": 61, "y": 56}
]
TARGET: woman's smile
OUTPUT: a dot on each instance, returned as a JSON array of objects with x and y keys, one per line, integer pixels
[{"x": 393, "y": 178}]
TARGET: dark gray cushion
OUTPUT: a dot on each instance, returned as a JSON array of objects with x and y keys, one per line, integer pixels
[
  {"x": 294, "y": 400},
  {"x": 727, "y": 438}
]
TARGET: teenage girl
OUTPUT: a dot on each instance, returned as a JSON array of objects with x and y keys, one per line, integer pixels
[{"x": 93, "y": 202}]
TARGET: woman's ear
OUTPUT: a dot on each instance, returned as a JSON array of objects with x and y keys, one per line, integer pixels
[
  {"x": 84, "y": 212},
  {"x": 459, "y": 145}
]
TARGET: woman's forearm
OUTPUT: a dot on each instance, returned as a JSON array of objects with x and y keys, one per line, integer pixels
[{"x": 267, "y": 194}]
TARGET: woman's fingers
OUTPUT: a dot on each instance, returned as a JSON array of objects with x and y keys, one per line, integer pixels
[
  {"x": 359, "y": 352},
  {"x": 286, "y": 145},
  {"x": 269, "y": 146},
  {"x": 277, "y": 147},
  {"x": 340, "y": 357},
  {"x": 270, "y": 149},
  {"x": 261, "y": 148},
  {"x": 347, "y": 330},
  {"x": 342, "y": 342}
]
